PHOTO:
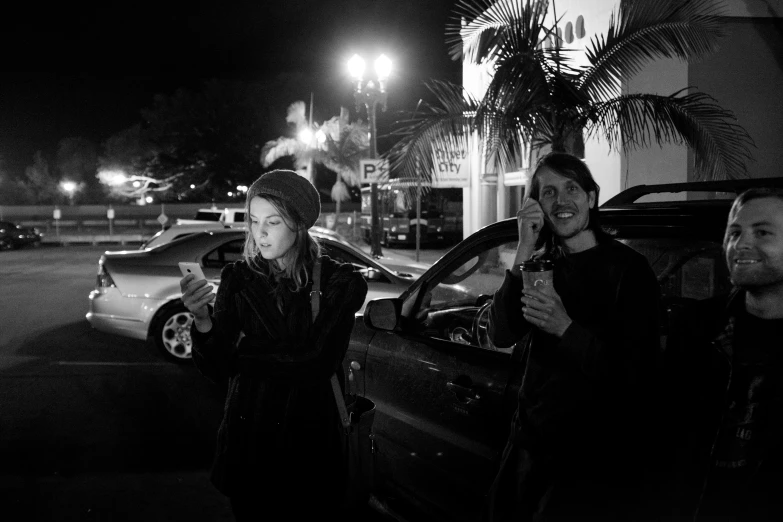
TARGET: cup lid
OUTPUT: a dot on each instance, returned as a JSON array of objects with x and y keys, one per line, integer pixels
[{"x": 537, "y": 265}]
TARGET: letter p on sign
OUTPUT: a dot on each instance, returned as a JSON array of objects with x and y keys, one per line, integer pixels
[{"x": 374, "y": 171}]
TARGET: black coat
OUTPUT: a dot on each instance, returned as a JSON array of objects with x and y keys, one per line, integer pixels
[{"x": 280, "y": 433}]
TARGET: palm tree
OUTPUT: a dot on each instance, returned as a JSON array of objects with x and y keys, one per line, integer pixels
[
  {"x": 284, "y": 146},
  {"x": 346, "y": 144},
  {"x": 538, "y": 97},
  {"x": 340, "y": 145}
]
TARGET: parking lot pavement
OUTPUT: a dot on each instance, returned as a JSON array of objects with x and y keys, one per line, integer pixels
[{"x": 116, "y": 497}]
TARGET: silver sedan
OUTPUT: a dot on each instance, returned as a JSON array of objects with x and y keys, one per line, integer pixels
[{"x": 137, "y": 292}]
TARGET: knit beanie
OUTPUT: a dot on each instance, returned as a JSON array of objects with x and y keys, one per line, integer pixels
[{"x": 292, "y": 188}]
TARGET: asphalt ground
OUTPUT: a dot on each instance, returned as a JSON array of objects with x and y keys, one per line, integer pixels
[{"x": 96, "y": 427}]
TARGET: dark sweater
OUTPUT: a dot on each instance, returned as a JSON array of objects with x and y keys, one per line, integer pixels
[{"x": 584, "y": 397}]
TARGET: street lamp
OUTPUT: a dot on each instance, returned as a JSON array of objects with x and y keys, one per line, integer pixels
[
  {"x": 69, "y": 187},
  {"x": 371, "y": 94}
]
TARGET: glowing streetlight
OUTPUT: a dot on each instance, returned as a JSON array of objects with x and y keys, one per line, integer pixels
[
  {"x": 371, "y": 94},
  {"x": 70, "y": 188}
]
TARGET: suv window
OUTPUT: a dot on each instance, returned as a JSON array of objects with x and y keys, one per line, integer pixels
[
  {"x": 455, "y": 303},
  {"x": 208, "y": 216},
  {"x": 686, "y": 268},
  {"x": 224, "y": 254}
]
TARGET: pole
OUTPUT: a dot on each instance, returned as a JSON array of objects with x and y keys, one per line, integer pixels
[
  {"x": 418, "y": 210},
  {"x": 375, "y": 232},
  {"x": 310, "y": 163}
]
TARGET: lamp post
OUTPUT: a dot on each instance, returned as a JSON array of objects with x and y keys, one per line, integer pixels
[
  {"x": 70, "y": 188},
  {"x": 371, "y": 94}
]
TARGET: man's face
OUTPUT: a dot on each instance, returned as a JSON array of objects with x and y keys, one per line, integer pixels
[
  {"x": 565, "y": 203},
  {"x": 754, "y": 244}
]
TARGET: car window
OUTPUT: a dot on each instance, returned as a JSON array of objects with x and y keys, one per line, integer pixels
[
  {"x": 208, "y": 216},
  {"x": 224, "y": 254},
  {"x": 685, "y": 268},
  {"x": 239, "y": 217},
  {"x": 454, "y": 304}
]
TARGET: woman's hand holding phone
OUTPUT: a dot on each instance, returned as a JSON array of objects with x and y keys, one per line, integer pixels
[{"x": 196, "y": 294}]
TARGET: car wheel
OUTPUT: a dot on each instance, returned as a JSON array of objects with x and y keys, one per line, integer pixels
[{"x": 172, "y": 333}]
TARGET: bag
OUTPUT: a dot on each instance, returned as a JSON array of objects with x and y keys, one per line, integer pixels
[{"x": 356, "y": 415}]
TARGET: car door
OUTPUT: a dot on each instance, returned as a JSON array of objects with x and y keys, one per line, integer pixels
[{"x": 444, "y": 395}]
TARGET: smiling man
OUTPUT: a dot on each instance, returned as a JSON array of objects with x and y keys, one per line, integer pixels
[
  {"x": 577, "y": 448},
  {"x": 726, "y": 360}
]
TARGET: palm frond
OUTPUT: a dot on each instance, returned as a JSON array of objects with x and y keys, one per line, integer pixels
[
  {"x": 273, "y": 150},
  {"x": 641, "y": 31},
  {"x": 444, "y": 125},
  {"x": 720, "y": 145},
  {"x": 488, "y": 25}
]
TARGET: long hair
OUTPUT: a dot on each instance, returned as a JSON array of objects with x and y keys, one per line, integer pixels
[
  {"x": 300, "y": 257},
  {"x": 573, "y": 168}
]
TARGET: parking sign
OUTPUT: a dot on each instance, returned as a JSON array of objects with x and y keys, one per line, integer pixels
[{"x": 374, "y": 171}]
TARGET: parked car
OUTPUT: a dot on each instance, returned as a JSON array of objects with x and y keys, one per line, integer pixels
[
  {"x": 181, "y": 230},
  {"x": 445, "y": 394},
  {"x": 15, "y": 236},
  {"x": 137, "y": 293},
  {"x": 226, "y": 216}
]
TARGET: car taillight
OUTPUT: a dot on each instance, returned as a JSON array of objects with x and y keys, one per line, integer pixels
[{"x": 104, "y": 280}]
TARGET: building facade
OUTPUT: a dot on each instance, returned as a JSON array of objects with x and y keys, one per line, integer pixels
[{"x": 745, "y": 76}]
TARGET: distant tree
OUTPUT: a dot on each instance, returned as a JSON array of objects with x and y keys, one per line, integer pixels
[
  {"x": 124, "y": 153},
  {"x": 339, "y": 145},
  {"x": 210, "y": 138},
  {"x": 40, "y": 185},
  {"x": 77, "y": 161},
  {"x": 12, "y": 191}
]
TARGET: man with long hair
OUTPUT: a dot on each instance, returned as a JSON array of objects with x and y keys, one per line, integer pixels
[{"x": 591, "y": 343}]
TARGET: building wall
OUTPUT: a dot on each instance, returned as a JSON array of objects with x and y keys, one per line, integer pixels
[
  {"x": 655, "y": 164},
  {"x": 746, "y": 76}
]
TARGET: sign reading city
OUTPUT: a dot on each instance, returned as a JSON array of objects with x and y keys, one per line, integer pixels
[
  {"x": 374, "y": 170},
  {"x": 452, "y": 166}
]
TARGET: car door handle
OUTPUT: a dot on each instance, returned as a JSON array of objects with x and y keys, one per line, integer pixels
[{"x": 464, "y": 393}]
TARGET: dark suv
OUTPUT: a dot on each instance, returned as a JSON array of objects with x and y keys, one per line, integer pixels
[{"x": 445, "y": 394}]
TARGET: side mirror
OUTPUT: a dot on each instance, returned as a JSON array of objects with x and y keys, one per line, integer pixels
[
  {"x": 370, "y": 274},
  {"x": 383, "y": 314}
]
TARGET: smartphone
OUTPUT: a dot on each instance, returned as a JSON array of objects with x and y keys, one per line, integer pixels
[{"x": 191, "y": 268}]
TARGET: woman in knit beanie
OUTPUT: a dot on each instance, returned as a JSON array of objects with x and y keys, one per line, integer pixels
[{"x": 279, "y": 446}]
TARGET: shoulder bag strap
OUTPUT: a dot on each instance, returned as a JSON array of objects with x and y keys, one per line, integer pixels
[{"x": 315, "y": 306}]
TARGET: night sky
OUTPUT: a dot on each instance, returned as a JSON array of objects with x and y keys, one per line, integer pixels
[{"x": 87, "y": 69}]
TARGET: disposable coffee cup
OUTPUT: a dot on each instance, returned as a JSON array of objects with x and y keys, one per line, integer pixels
[{"x": 538, "y": 274}]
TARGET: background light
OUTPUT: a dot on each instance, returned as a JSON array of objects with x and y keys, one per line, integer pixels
[
  {"x": 356, "y": 66},
  {"x": 306, "y": 135},
  {"x": 383, "y": 67}
]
